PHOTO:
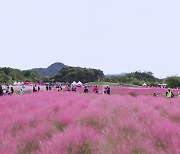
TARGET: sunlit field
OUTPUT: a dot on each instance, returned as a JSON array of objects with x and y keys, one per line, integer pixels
[{"x": 126, "y": 122}]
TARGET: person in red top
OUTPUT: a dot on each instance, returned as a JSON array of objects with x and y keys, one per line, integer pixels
[{"x": 95, "y": 90}]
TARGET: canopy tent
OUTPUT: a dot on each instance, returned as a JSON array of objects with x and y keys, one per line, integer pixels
[
  {"x": 19, "y": 83},
  {"x": 27, "y": 83},
  {"x": 162, "y": 85},
  {"x": 15, "y": 83},
  {"x": 144, "y": 85},
  {"x": 79, "y": 83},
  {"x": 74, "y": 83}
]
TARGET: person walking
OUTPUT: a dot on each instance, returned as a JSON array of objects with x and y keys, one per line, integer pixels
[
  {"x": 50, "y": 87},
  {"x": 47, "y": 87},
  {"x": 12, "y": 91},
  {"x": 86, "y": 90},
  {"x": 1, "y": 91},
  {"x": 73, "y": 88},
  {"x": 7, "y": 90},
  {"x": 34, "y": 89},
  {"x": 60, "y": 88},
  {"x": 108, "y": 90},
  {"x": 39, "y": 88},
  {"x": 95, "y": 90},
  {"x": 21, "y": 92}
]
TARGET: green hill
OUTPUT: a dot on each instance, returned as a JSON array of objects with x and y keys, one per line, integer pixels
[{"x": 51, "y": 70}]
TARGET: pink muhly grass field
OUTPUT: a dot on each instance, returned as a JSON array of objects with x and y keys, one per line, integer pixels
[
  {"x": 74, "y": 123},
  {"x": 145, "y": 91},
  {"x": 141, "y": 91}
]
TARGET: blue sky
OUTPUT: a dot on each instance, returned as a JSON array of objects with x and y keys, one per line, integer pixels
[{"x": 113, "y": 35}]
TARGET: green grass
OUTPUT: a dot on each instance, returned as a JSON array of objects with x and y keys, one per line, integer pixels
[{"x": 102, "y": 83}]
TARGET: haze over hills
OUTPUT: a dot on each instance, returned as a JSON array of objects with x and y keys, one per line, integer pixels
[
  {"x": 51, "y": 70},
  {"x": 116, "y": 74}
]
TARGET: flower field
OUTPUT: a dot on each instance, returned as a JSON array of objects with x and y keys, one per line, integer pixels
[{"x": 53, "y": 122}]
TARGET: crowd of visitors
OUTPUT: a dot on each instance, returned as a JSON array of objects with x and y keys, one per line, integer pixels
[
  {"x": 9, "y": 90},
  {"x": 6, "y": 91}
]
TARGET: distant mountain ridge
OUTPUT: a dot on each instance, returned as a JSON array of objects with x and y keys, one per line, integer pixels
[{"x": 51, "y": 70}]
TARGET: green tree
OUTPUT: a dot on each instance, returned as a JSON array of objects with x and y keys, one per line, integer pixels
[
  {"x": 5, "y": 79},
  {"x": 17, "y": 75},
  {"x": 135, "y": 78},
  {"x": 70, "y": 74},
  {"x": 32, "y": 76},
  {"x": 173, "y": 81}
]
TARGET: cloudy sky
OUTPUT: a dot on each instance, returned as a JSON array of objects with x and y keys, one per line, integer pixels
[{"x": 113, "y": 35}]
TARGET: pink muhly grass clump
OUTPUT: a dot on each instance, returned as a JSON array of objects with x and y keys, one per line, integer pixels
[
  {"x": 75, "y": 140},
  {"x": 165, "y": 136},
  {"x": 94, "y": 117}
]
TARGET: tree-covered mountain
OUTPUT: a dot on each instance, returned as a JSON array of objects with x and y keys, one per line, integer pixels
[{"x": 51, "y": 70}]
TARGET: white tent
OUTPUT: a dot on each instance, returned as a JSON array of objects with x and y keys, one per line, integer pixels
[
  {"x": 15, "y": 83},
  {"x": 144, "y": 85},
  {"x": 162, "y": 85},
  {"x": 79, "y": 83},
  {"x": 19, "y": 83},
  {"x": 74, "y": 83}
]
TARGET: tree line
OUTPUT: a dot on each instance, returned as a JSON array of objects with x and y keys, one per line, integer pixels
[
  {"x": 138, "y": 78},
  {"x": 85, "y": 75},
  {"x": 67, "y": 74},
  {"x": 70, "y": 74},
  {"x": 9, "y": 75},
  {"x": 135, "y": 78}
]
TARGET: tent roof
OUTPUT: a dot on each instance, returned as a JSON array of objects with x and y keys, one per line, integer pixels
[
  {"x": 163, "y": 84},
  {"x": 79, "y": 82},
  {"x": 74, "y": 82}
]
